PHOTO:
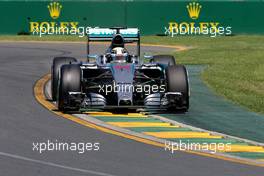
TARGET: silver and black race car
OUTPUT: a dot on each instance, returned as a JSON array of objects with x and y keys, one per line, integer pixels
[{"x": 118, "y": 79}]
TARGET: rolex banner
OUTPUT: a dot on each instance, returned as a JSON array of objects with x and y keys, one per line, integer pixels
[{"x": 152, "y": 17}]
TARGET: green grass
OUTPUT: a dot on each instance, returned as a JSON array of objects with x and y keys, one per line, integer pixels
[{"x": 236, "y": 64}]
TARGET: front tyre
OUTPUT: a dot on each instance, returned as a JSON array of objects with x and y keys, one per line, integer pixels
[
  {"x": 55, "y": 72},
  {"x": 177, "y": 81},
  {"x": 70, "y": 81}
]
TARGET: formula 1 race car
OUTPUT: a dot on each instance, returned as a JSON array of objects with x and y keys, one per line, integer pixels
[{"x": 118, "y": 79}]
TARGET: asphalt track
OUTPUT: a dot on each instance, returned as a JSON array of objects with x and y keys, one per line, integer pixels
[{"x": 23, "y": 121}]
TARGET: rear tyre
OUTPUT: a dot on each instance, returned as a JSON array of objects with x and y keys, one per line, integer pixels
[
  {"x": 177, "y": 81},
  {"x": 55, "y": 72},
  {"x": 70, "y": 81},
  {"x": 164, "y": 59}
]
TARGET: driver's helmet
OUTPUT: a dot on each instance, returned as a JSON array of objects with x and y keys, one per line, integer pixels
[{"x": 119, "y": 54}]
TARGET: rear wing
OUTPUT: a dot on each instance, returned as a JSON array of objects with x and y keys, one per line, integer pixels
[{"x": 130, "y": 35}]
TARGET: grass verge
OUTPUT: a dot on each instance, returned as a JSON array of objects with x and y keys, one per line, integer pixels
[{"x": 236, "y": 64}]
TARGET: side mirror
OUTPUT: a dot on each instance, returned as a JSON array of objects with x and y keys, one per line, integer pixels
[
  {"x": 149, "y": 58},
  {"x": 92, "y": 56}
]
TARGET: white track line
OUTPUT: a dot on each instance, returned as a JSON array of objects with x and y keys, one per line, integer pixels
[{"x": 53, "y": 164}]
